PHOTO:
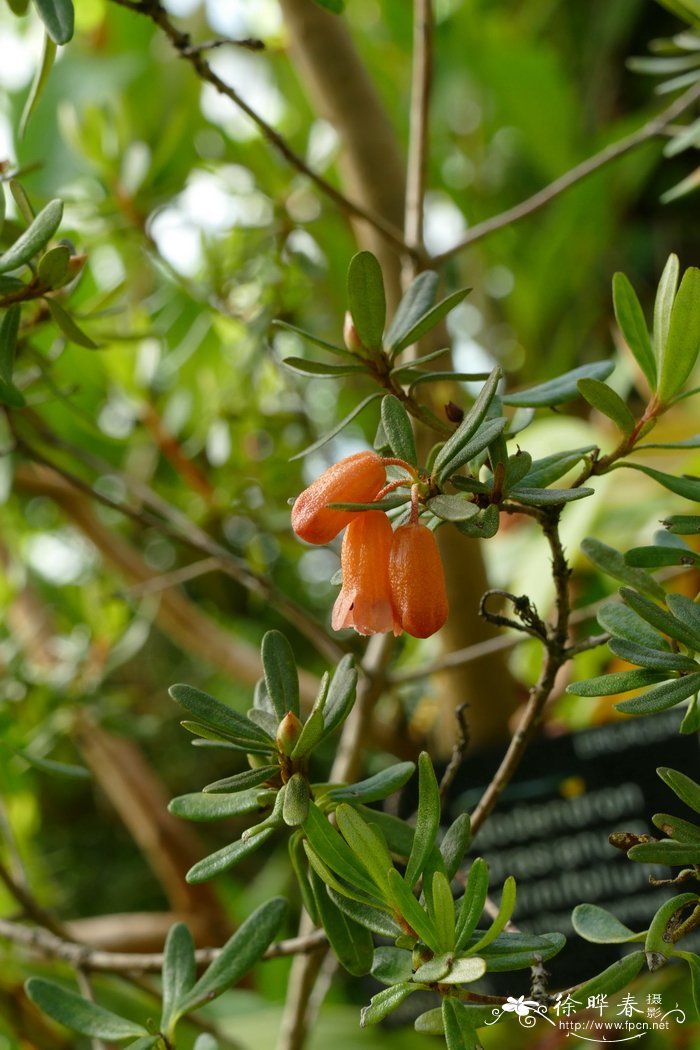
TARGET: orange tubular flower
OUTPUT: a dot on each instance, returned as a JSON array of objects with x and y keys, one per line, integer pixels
[
  {"x": 355, "y": 479},
  {"x": 364, "y": 601},
  {"x": 417, "y": 581}
]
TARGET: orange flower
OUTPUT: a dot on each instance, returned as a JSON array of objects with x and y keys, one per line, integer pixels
[
  {"x": 355, "y": 479},
  {"x": 364, "y": 601},
  {"x": 417, "y": 581}
]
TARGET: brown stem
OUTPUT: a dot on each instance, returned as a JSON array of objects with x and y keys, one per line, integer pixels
[{"x": 421, "y": 83}]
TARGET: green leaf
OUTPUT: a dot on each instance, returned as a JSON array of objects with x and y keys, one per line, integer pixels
[
  {"x": 398, "y": 834},
  {"x": 367, "y": 844},
  {"x": 316, "y": 340},
  {"x": 657, "y": 941},
  {"x": 214, "y": 739},
  {"x": 452, "y": 508},
  {"x": 41, "y": 76},
  {"x": 515, "y": 951},
  {"x": 683, "y": 524},
  {"x": 34, "y": 238},
  {"x": 388, "y": 503},
  {"x": 351, "y": 942},
  {"x": 557, "y": 391},
  {"x": 296, "y": 801},
  {"x": 398, "y": 429},
  {"x": 366, "y": 299},
  {"x": 683, "y": 342},
  {"x": 334, "y": 431},
  {"x": 547, "y": 497},
  {"x": 249, "y": 778},
  {"x": 392, "y": 965},
  {"x": 47, "y": 765},
  {"x": 302, "y": 872},
  {"x": 503, "y": 917},
  {"x": 58, "y": 17},
  {"x": 428, "y": 320},
  {"x": 659, "y": 618},
  {"x": 483, "y": 526},
  {"x": 465, "y": 970},
  {"x": 693, "y": 962},
  {"x": 404, "y": 373},
  {"x": 459, "y": 1035},
  {"x": 374, "y": 788},
  {"x": 456, "y": 843},
  {"x": 336, "y": 7},
  {"x": 617, "y": 682},
  {"x": 691, "y": 442},
  {"x": 365, "y": 915},
  {"x": 663, "y": 305},
  {"x": 599, "y": 926},
  {"x": 656, "y": 557},
  {"x": 623, "y": 622},
  {"x": 308, "y": 367},
  {"x": 443, "y": 911},
  {"x": 313, "y": 730},
  {"x": 218, "y": 716},
  {"x": 654, "y": 659},
  {"x": 614, "y": 978},
  {"x": 72, "y": 331},
  {"x": 410, "y": 909},
  {"x": 518, "y": 467},
  {"x": 667, "y": 851},
  {"x": 473, "y": 901},
  {"x": 385, "y": 1002},
  {"x": 227, "y": 857},
  {"x": 79, "y": 1014},
  {"x": 608, "y": 401},
  {"x": 54, "y": 266},
  {"x": 280, "y": 670},
  {"x": 238, "y": 955},
  {"x": 467, "y": 428},
  {"x": 341, "y": 694},
  {"x": 179, "y": 972},
  {"x": 676, "y": 828},
  {"x": 427, "y": 819},
  {"x": 335, "y": 852},
  {"x": 485, "y": 436},
  {"x": 147, "y": 1042},
  {"x": 613, "y": 563},
  {"x": 687, "y": 790},
  {"x": 633, "y": 326},
  {"x": 662, "y": 697},
  {"x": 416, "y": 302},
  {"x": 434, "y": 969},
  {"x": 688, "y": 487},
  {"x": 210, "y": 806}
]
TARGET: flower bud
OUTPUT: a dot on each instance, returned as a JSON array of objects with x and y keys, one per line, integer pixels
[
  {"x": 288, "y": 732},
  {"x": 351, "y": 336},
  {"x": 355, "y": 479},
  {"x": 417, "y": 581},
  {"x": 364, "y": 601}
]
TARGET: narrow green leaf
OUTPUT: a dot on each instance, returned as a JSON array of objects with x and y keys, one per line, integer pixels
[
  {"x": 617, "y": 682},
  {"x": 547, "y": 497},
  {"x": 452, "y": 508},
  {"x": 623, "y": 622},
  {"x": 688, "y": 487},
  {"x": 227, "y": 857},
  {"x": 70, "y": 329},
  {"x": 503, "y": 917},
  {"x": 334, "y": 431},
  {"x": 352, "y": 943},
  {"x": 676, "y": 828},
  {"x": 430, "y": 1022},
  {"x": 691, "y": 182},
  {"x": 214, "y": 739},
  {"x": 341, "y": 694},
  {"x": 608, "y": 401},
  {"x": 662, "y": 697},
  {"x": 443, "y": 912},
  {"x": 613, "y": 563},
  {"x": 308, "y": 367},
  {"x": 238, "y": 955},
  {"x": 79, "y": 1014},
  {"x": 466, "y": 970},
  {"x": 693, "y": 962},
  {"x": 407, "y": 905},
  {"x": 204, "y": 807},
  {"x": 41, "y": 76},
  {"x": 429, "y": 320},
  {"x": 313, "y": 730},
  {"x": 687, "y": 790},
  {"x": 296, "y": 801},
  {"x": 662, "y": 620},
  {"x": 179, "y": 971},
  {"x": 657, "y": 557},
  {"x": 486, "y": 435},
  {"x": 22, "y": 201},
  {"x": 401, "y": 370},
  {"x": 683, "y": 341},
  {"x": 416, "y": 302},
  {"x": 280, "y": 670},
  {"x": 374, "y": 788},
  {"x": 667, "y": 851},
  {"x": 398, "y": 834},
  {"x": 654, "y": 659},
  {"x": 367, "y": 844},
  {"x": 34, "y": 238},
  {"x": 388, "y": 503},
  {"x": 469, "y": 425},
  {"x": 665, "y": 295},
  {"x": 54, "y": 266},
  {"x": 366, "y": 299},
  {"x": 314, "y": 339},
  {"x": 633, "y": 326},
  {"x": 385, "y": 1002},
  {"x": 456, "y": 843},
  {"x": 47, "y": 765},
  {"x": 600, "y": 926},
  {"x": 557, "y": 391},
  {"x": 217, "y": 715},
  {"x": 434, "y": 969},
  {"x": 398, "y": 429},
  {"x": 614, "y": 978},
  {"x": 58, "y": 17},
  {"x": 249, "y": 778},
  {"x": 427, "y": 819},
  {"x": 341, "y": 889},
  {"x": 657, "y": 941},
  {"x": 335, "y": 852},
  {"x": 483, "y": 526},
  {"x": 459, "y": 1035},
  {"x": 365, "y": 915},
  {"x": 691, "y": 442},
  {"x": 149, "y": 1041},
  {"x": 683, "y": 524},
  {"x": 515, "y": 951},
  {"x": 472, "y": 902}
]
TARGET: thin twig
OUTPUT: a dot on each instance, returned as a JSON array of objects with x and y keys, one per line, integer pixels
[
  {"x": 173, "y": 578},
  {"x": 183, "y": 45},
  {"x": 421, "y": 83},
  {"x": 459, "y": 750},
  {"x": 654, "y": 128},
  {"x": 249, "y": 43}
]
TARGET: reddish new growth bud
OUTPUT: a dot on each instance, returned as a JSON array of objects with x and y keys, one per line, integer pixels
[
  {"x": 351, "y": 336},
  {"x": 288, "y": 732},
  {"x": 355, "y": 479},
  {"x": 417, "y": 581},
  {"x": 364, "y": 601}
]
